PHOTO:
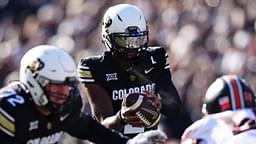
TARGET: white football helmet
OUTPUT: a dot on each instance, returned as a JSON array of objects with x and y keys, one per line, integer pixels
[
  {"x": 124, "y": 31},
  {"x": 46, "y": 64}
]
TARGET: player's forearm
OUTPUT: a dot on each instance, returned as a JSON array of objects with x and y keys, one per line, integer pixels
[
  {"x": 88, "y": 128},
  {"x": 113, "y": 122},
  {"x": 170, "y": 98}
]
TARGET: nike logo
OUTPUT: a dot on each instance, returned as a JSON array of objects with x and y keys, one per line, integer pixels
[
  {"x": 62, "y": 118},
  {"x": 153, "y": 113},
  {"x": 148, "y": 70}
]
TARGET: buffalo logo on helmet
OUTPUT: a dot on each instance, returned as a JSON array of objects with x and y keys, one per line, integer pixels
[
  {"x": 107, "y": 22},
  {"x": 36, "y": 65}
]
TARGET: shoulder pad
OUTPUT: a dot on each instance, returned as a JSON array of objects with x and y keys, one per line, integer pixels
[
  {"x": 86, "y": 60},
  {"x": 97, "y": 57},
  {"x": 154, "y": 48}
]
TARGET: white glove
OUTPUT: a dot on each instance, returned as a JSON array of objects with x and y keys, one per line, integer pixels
[{"x": 149, "y": 137}]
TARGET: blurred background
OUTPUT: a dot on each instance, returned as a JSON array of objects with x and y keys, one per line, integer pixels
[{"x": 204, "y": 38}]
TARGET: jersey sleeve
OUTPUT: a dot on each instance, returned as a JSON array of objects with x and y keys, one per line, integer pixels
[
  {"x": 84, "y": 72},
  {"x": 90, "y": 129},
  {"x": 161, "y": 56},
  {"x": 165, "y": 86},
  {"x": 7, "y": 119},
  {"x": 166, "y": 60}
]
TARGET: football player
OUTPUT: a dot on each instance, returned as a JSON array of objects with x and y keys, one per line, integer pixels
[
  {"x": 45, "y": 103},
  {"x": 244, "y": 127},
  {"x": 227, "y": 107},
  {"x": 129, "y": 65}
]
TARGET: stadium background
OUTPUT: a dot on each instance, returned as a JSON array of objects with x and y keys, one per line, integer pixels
[{"x": 204, "y": 38}]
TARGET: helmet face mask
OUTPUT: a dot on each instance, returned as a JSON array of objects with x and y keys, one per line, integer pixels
[
  {"x": 129, "y": 45},
  {"x": 44, "y": 66},
  {"x": 124, "y": 31},
  {"x": 228, "y": 92}
]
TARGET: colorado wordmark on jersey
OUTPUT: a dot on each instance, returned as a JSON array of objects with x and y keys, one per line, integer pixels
[
  {"x": 50, "y": 139},
  {"x": 120, "y": 93}
]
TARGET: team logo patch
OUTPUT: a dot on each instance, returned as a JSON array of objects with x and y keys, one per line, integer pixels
[
  {"x": 112, "y": 76},
  {"x": 148, "y": 70},
  {"x": 132, "y": 77},
  {"x": 33, "y": 125},
  {"x": 224, "y": 103}
]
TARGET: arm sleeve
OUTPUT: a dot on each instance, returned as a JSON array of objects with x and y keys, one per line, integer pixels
[
  {"x": 7, "y": 123},
  {"x": 88, "y": 128},
  {"x": 175, "y": 119},
  {"x": 171, "y": 102}
]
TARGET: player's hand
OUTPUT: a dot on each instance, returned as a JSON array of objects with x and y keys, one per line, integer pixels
[
  {"x": 154, "y": 100},
  {"x": 149, "y": 137},
  {"x": 129, "y": 117}
]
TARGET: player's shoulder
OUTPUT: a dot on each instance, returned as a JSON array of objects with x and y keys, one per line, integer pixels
[
  {"x": 11, "y": 104},
  {"x": 87, "y": 67},
  {"x": 200, "y": 126},
  {"x": 197, "y": 124},
  {"x": 92, "y": 64},
  {"x": 205, "y": 127},
  {"x": 158, "y": 54},
  {"x": 12, "y": 96},
  {"x": 91, "y": 59},
  {"x": 156, "y": 49}
]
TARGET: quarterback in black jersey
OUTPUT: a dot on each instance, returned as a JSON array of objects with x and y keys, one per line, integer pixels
[
  {"x": 128, "y": 66},
  {"x": 46, "y": 102}
]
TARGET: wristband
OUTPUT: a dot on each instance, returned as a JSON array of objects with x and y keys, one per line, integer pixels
[{"x": 119, "y": 118}]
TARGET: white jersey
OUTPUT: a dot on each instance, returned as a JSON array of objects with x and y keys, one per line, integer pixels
[
  {"x": 217, "y": 128},
  {"x": 248, "y": 132},
  {"x": 207, "y": 130},
  {"x": 246, "y": 137}
]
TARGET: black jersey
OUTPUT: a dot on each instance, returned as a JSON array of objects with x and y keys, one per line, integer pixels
[
  {"x": 22, "y": 123},
  {"x": 151, "y": 73}
]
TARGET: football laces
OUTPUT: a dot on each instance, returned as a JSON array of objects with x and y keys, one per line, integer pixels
[{"x": 143, "y": 118}]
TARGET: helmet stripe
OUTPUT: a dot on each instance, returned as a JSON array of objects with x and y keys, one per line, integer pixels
[
  {"x": 226, "y": 79},
  {"x": 241, "y": 95},
  {"x": 235, "y": 91}
]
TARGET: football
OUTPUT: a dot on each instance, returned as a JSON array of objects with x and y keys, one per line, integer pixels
[{"x": 143, "y": 108}]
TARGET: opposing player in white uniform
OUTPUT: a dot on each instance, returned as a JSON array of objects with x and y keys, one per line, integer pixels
[
  {"x": 227, "y": 104},
  {"x": 245, "y": 127}
]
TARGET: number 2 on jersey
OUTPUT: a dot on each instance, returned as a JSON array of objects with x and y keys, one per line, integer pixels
[{"x": 16, "y": 100}]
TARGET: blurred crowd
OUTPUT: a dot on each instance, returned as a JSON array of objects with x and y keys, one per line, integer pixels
[{"x": 204, "y": 38}]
